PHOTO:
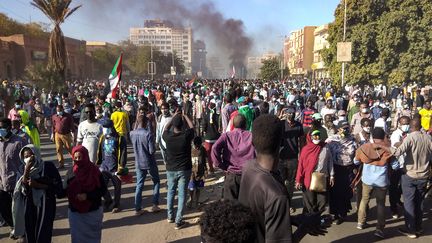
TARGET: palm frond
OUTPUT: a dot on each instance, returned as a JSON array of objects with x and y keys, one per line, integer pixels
[{"x": 72, "y": 11}]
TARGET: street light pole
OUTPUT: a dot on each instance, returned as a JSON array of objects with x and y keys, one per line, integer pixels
[{"x": 344, "y": 39}]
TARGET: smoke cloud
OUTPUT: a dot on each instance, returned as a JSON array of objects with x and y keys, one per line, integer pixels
[{"x": 227, "y": 34}]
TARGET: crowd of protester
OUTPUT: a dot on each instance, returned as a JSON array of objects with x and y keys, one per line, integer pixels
[{"x": 269, "y": 138}]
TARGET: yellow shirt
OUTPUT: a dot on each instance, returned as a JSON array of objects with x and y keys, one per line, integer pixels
[
  {"x": 120, "y": 120},
  {"x": 425, "y": 118}
]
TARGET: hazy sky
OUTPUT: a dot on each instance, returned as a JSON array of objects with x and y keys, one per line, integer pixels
[{"x": 266, "y": 21}]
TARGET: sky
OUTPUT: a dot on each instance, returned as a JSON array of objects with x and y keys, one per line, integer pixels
[{"x": 266, "y": 21}]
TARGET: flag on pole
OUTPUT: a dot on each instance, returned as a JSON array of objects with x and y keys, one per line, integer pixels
[
  {"x": 233, "y": 72},
  {"x": 113, "y": 83},
  {"x": 191, "y": 82}
]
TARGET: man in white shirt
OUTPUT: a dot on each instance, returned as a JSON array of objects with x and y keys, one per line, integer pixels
[
  {"x": 382, "y": 121},
  {"x": 89, "y": 132},
  {"x": 328, "y": 108},
  {"x": 395, "y": 191},
  {"x": 163, "y": 120}
]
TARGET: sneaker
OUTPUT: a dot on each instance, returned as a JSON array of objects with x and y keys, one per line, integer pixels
[
  {"x": 155, "y": 209},
  {"x": 115, "y": 210},
  {"x": 360, "y": 226},
  {"x": 338, "y": 221},
  {"x": 180, "y": 225},
  {"x": 292, "y": 210},
  {"x": 379, "y": 233},
  {"x": 170, "y": 221},
  {"x": 407, "y": 233},
  {"x": 139, "y": 212},
  {"x": 395, "y": 216}
]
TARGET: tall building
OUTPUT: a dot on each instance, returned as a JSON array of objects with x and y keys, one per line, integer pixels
[
  {"x": 216, "y": 69},
  {"x": 165, "y": 37},
  {"x": 299, "y": 49},
  {"x": 199, "y": 55},
  {"x": 320, "y": 43},
  {"x": 254, "y": 64}
]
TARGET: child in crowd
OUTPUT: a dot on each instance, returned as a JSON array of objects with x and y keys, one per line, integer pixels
[{"x": 199, "y": 169}]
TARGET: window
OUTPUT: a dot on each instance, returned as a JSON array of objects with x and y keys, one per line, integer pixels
[{"x": 185, "y": 42}]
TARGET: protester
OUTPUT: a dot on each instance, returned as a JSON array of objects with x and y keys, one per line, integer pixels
[
  {"x": 85, "y": 187},
  {"x": 342, "y": 147},
  {"x": 199, "y": 169},
  {"x": 145, "y": 163},
  {"x": 13, "y": 113},
  {"x": 227, "y": 110},
  {"x": 163, "y": 120},
  {"x": 263, "y": 192},
  {"x": 122, "y": 127},
  {"x": 230, "y": 153},
  {"x": 293, "y": 132},
  {"x": 34, "y": 200},
  {"x": 110, "y": 153},
  {"x": 29, "y": 128},
  {"x": 426, "y": 114},
  {"x": 376, "y": 159},
  {"x": 10, "y": 167},
  {"x": 417, "y": 148},
  {"x": 210, "y": 124},
  {"x": 89, "y": 132},
  {"x": 179, "y": 164},
  {"x": 62, "y": 128}
]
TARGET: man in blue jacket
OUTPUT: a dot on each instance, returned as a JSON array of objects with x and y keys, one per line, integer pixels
[{"x": 145, "y": 162}]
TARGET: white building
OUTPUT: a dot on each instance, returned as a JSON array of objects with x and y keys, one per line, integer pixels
[
  {"x": 164, "y": 37},
  {"x": 254, "y": 64},
  {"x": 320, "y": 43}
]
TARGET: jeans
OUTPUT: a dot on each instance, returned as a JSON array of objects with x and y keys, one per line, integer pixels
[
  {"x": 141, "y": 175},
  {"x": 380, "y": 195},
  {"x": 412, "y": 191},
  {"x": 177, "y": 180}
]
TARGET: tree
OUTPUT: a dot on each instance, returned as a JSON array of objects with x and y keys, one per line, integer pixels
[
  {"x": 271, "y": 70},
  {"x": 391, "y": 41},
  {"x": 57, "y": 11}
]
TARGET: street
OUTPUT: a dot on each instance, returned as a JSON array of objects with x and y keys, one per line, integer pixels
[{"x": 153, "y": 227}]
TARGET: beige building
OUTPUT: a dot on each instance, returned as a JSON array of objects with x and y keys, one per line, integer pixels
[
  {"x": 164, "y": 37},
  {"x": 298, "y": 51},
  {"x": 320, "y": 43},
  {"x": 254, "y": 64}
]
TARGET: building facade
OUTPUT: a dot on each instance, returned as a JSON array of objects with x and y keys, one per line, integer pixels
[
  {"x": 298, "y": 51},
  {"x": 199, "y": 58},
  {"x": 254, "y": 64},
  {"x": 320, "y": 42},
  {"x": 20, "y": 51},
  {"x": 164, "y": 37}
]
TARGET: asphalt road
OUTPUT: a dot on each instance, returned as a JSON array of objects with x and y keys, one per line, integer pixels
[{"x": 153, "y": 227}]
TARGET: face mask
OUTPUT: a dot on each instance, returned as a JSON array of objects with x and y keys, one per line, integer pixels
[
  {"x": 17, "y": 107},
  {"x": 27, "y": 160},
  {"x": 106, "y": 131},
  {"x": 3, "y": 132},
  {"x": 342, "y": 118},
  {"x": 367, "y": 129},
  {"x": 60, "y": 113},
  {"x": 365, "y": 110},
  {"x": 315, "y": 141},
  {"x": 68, "y": 111},
  {"x": 405, "y": 128}
]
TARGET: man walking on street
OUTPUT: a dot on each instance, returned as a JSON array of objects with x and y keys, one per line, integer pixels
[
  {"x": 89, "y": 132},
  {"x": 62, "y": 128},
  {"x": 418, "y": 149},
  {"x": 145, "y": 163},
  {"x": 231, "y": 152},
  {"x": 179, "y": 164}
]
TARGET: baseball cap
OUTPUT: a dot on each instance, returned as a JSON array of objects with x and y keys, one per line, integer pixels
[
  {"x": 317, "y": 116},
  {"x": 315, "y": 132},
  {"x": 343, "y": 124}
]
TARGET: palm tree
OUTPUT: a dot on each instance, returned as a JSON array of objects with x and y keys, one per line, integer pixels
[{"x": 57, "y": 11}]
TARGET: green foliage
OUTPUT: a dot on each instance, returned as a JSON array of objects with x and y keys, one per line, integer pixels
[
  {"x": 43, "y": 77},
  {"x": 9, "y": 27},
  {"x": 391, "y": 41},
  {"x": 271, "y": 70}
]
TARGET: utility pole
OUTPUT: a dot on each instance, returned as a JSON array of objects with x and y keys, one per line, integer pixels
[
  {"x": 344, "y": 39},
  {"x": 151, "y": 60}
]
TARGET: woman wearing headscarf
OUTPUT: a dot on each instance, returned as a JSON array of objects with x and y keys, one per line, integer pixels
[
  {"x": 30, "y": 128},
  {"x": 85, "y": 187},
  {"x": 314, "y": 157},
  {"x": 34, "y": 199}
]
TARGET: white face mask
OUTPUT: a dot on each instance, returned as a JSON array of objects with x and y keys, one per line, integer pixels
[
  {"x": 315, "y": 141},
  {"x": 342, "y": 118},
  {"x": 106, "y": 131},
  {"x": 405, "y": 128},
  {"x": 27, "y": 160}
]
